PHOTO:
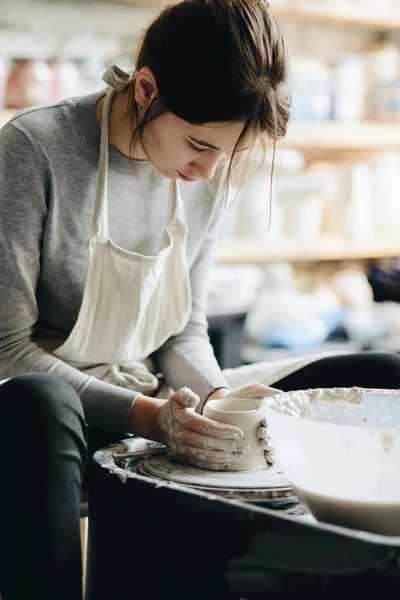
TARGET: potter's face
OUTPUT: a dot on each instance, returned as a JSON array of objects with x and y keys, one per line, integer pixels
[{"x": 179, "y": 150}]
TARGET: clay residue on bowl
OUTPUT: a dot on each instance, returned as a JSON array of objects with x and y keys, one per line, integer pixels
[
  {"x": 296, "y": 403},
  {"x": 387, "y": 439}
]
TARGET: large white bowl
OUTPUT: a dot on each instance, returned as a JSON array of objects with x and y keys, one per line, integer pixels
[{"x": 340, "y": 449}]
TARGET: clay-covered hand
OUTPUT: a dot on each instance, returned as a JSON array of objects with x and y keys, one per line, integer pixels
[
  {"x": 255, "y": 391},
  {"x": 259, "y": 391},
  {"x": 265, "y": 442},
  {"x": 195, "y": 439}
]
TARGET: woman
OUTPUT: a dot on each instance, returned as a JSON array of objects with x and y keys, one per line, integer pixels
[{"x": 109, "y": 208}]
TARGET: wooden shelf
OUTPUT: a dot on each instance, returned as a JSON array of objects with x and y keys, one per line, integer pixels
[
  {"x": 338, "y": 13},
  {"x": 241, "y": 250},
  {"x": 336, "y": 135},
  {"x": 331, "y": 136}
]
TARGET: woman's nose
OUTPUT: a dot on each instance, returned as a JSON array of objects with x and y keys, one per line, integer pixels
[{"x": 206, "y": 167}]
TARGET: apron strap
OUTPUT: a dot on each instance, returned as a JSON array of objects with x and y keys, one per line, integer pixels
[
  {"x": 118, "y": 80},
  {"x": 100, "y": 213},
  {"x": 176, "y": 210},
  {"x": 176, "y": 213}
]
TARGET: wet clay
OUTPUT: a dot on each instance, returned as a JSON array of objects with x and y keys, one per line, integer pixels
[{"x": 247, "y": 414}]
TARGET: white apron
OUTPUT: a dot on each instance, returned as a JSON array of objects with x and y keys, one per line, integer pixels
[{"x": 132, "y": 303}]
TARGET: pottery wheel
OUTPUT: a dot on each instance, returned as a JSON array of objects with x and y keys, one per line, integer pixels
[{"x": 270, "y": 481}]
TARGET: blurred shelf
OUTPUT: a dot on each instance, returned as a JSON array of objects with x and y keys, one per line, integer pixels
[
  {"x": 339, "y": 13},
  {"x": 330, "y": 135},
  {"x": 6, "y": 114},
  {"x": 242, "y": 250},
  {"x": 337, "y": 135},
  {"x": 251, "y": 353}
]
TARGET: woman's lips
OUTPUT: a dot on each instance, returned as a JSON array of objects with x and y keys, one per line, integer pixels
[{"x": 185, "y": 178}]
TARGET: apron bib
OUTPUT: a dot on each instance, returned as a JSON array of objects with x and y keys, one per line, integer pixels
[{"x": 132, "y": 303}]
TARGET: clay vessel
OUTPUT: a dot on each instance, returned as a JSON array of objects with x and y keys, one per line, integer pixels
[{"x": 246, "y": 414}]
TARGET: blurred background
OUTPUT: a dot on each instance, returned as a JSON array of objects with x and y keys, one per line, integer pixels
[{"x": 325, "y": 274}]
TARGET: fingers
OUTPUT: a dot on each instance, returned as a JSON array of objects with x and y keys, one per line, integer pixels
[
  {"x": 267, "y": 444},
  {"x": 274, "y": 391},
  {"x": 207, "y": 442},
  {"x": 271, "y": 457},
  {"x": 264, "y": 440},
  {"x": 200, "y": 424},
  {"x": 186, "y": 398},
  {"x": 262, "y": 432},
  {"x": 214, "y": 457}
]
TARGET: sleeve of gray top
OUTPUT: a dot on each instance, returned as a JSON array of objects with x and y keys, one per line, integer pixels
[
  {"x": 188, "y": 359},
  {"x": 24, "y": 184}
]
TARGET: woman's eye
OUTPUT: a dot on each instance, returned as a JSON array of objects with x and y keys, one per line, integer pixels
[{"x": 195, "y": 148}]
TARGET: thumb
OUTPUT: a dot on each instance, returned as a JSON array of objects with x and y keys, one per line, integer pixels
[{"x": 186, "y": 398}]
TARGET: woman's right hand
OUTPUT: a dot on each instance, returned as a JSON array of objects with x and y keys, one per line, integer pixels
[{"x": 195, "y": 439}]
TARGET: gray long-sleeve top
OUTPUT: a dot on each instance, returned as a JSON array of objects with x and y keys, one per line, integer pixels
[{"x": 48, "y": 172}]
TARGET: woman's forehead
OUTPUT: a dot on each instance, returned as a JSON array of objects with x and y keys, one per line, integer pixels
[{"x": 218, "y": 135}]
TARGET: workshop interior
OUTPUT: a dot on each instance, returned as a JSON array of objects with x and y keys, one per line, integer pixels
[{"x": 305, "y": 263}]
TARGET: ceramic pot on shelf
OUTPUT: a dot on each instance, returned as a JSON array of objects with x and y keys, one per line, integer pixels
[
  {"x": 67, "y": 80},
  {"x": 30, "y": 83}
]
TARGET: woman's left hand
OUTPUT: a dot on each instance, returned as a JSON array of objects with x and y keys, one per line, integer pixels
[
  {"x": 255, "y": 391},
  {"x": 258, "y": 391}
]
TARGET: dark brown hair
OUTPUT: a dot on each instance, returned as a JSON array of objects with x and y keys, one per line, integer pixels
[{"x": 217, "y": 60}]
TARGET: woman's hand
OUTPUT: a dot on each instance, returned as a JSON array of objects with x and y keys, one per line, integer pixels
[
  {"x": 259, "y": 391},
  {"x": 256, "y": 391},
  {"x": 196, "y": 440},
  {"x": 265, "y": 442}
]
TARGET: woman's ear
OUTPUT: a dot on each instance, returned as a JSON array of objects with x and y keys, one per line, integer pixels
[{"x": 145, "y": 87}]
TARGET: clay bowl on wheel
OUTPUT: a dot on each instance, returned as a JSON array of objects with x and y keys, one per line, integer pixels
[{"x": 340, "y": 449}]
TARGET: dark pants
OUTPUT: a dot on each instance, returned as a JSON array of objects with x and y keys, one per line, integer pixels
[{"x": 43, "y": 455}]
